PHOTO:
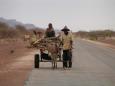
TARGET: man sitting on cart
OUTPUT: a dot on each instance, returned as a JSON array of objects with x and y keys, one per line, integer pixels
[
  {"x": 67, "y": 42},
  {"x": 49, "y": 33}
]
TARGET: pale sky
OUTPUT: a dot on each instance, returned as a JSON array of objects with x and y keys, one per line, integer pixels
[{"x": 76, "y": 14}]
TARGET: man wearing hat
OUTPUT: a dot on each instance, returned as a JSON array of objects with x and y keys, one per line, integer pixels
[{"x": 67, "y": 41}]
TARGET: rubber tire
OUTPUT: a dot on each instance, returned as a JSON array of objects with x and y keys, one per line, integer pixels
[{"x": 36, "y": 61}]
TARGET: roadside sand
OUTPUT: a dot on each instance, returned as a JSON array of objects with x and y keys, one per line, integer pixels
[
  {"x": 111, "y": 45},
  {"x": 15, "y": 73},
  {"x": 15, "y": 63}
]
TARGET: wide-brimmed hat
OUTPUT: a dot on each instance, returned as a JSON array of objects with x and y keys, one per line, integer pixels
[{"x": 65, "y": 29}]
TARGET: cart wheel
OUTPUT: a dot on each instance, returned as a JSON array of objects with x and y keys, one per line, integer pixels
[{"x": 36, "y": 61}]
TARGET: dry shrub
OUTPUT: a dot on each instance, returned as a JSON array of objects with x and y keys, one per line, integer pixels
[{"x": 94, "y": 35}]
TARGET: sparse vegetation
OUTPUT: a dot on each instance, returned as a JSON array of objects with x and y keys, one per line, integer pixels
[
  {"x": 105, "y": 36},
  {"x": 95, "y": 35},
  {"x": 18, "y": 32}
]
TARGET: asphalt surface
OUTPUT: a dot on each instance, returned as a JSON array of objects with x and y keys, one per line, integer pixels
[{"x": 93, "y": 65}]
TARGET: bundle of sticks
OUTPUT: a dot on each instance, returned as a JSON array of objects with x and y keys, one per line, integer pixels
[{"x": 44, "y": 42}]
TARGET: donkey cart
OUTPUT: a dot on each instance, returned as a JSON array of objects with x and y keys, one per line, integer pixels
[{"x": 53, "y": 48}]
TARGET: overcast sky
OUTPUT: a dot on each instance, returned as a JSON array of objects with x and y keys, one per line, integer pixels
[{"x": 76, "y": 14}]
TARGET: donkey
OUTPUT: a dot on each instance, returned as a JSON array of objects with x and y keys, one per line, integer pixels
[{"x": 53, "y": 48}]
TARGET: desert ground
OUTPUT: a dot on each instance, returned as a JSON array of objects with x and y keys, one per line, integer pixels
[{"x": 15, "y": 63}]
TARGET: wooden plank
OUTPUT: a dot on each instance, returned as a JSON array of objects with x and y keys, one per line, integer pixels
[{"x": 50, "y": 61}]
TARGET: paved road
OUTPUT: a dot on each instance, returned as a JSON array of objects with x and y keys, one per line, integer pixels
[{"x": 93, "y": 65}]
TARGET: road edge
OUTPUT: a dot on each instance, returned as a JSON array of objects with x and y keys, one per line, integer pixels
[{"x": 100, "y": 43}]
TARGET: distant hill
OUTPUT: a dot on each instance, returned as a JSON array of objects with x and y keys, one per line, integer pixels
[
  {"x": 11, "y": 28},
  {"x": 12, "y": 23},
  {"x": 30, "y": 26}
]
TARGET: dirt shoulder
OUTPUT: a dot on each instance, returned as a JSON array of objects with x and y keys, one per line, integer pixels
[
  {"x": 16, "y": 72},
  {"x": 10, "y": 50},
  {"x": 108, "y": 43},
  {"x": 16, "y": 62}
]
